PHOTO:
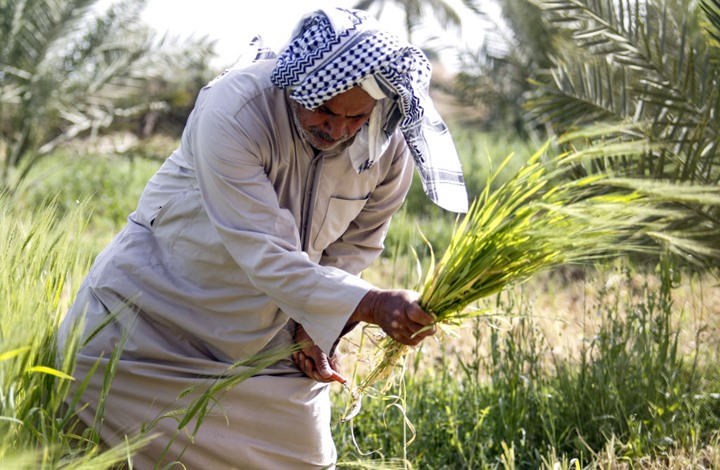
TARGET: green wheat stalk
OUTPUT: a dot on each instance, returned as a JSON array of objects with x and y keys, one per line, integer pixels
[{"x": 537, "y": 221}]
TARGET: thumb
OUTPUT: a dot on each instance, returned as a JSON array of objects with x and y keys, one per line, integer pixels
[{"x": 323, "y": 366}]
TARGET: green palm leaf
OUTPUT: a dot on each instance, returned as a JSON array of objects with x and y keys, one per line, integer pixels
[
  {"x": 66, "y": 69},
  {"x": 643, "y": 62},
  {"x": 415, "y": 11},
  {"x": 646, "y": 70}
]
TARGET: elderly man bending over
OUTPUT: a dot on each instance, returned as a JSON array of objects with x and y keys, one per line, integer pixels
[{"x": 252, "y": 234}]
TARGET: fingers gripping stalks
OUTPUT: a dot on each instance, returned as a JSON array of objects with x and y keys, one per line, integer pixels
[
  {"x": 405, "y": 323},
  {"x": 313, "y": 361},
  {"x": 398, "y": 313}
]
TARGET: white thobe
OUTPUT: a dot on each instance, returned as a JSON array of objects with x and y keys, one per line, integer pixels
[{"x": 243, "y": 230}]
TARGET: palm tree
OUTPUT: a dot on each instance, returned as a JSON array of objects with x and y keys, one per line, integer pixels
[
  {"x": 647, "y": 71},
  {"x": 647, "y": 63},
  {"x": 415, "y": 11},
  {"x": 67, "y": 69},
  {"x": 496, "y": 76}
]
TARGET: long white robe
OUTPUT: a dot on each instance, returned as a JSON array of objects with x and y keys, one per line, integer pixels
[{"x": 242, "y": 231}]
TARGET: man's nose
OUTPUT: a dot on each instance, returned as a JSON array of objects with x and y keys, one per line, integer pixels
[{"x": 337, "y": 128}]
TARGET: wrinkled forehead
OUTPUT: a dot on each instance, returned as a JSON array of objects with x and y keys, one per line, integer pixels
[{"x": 354, "y": 102}]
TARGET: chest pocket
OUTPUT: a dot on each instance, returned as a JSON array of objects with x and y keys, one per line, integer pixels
[{"x": 336, "y": 219}]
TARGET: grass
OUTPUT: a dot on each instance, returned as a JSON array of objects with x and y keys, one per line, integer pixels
[
  {"x": 624, "y": 391},
  {"x": 43, "y": 261},
  {"x": 578, "y": 368},
  {"x": 41, "y": 266},
  {"x": 108, "y": 178}
]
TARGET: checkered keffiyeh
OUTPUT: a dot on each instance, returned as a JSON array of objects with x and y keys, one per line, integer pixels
[{"x": 336, "y": 49}]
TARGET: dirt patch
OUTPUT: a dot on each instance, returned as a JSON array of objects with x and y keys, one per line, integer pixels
[{"x": 561, "y": 312}]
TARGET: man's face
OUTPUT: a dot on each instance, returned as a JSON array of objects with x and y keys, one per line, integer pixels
[{"x": 336, "y": 121}]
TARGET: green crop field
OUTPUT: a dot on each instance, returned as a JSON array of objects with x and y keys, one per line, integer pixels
[{"x": 609, "y": 365}]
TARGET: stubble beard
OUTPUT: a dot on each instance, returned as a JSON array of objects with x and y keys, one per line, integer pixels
[{"x": 316, "y": 138}]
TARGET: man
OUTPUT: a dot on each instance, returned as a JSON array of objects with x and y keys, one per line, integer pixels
[{"x": 252, "y": 235}]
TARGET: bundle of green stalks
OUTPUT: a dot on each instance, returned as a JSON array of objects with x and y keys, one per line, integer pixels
[{"x": 538, "y": 220}]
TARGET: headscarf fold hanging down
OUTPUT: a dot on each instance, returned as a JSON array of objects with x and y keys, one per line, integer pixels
[{"x": 337, "y": 49}]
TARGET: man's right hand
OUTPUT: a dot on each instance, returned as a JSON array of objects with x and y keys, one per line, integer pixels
[{"x": 398, "y": 313}]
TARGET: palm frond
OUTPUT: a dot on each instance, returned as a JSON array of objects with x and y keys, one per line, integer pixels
[
  {"x": 712, "y": 12},
  {"x": 644, "y": 62},
  {"x": 39, "y": 29},
  {"x": 445, "y": 13},
  {"x": 67, "y": 71}
]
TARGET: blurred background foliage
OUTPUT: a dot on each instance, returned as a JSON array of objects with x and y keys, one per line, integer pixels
[
  {"x": 87, "y": 87},
  {"x": 69, "y": 70},
  {"x": 84, "y": 84}
]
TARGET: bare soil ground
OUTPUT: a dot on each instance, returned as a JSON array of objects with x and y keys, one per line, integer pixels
[{"x": 566, "y": 309}]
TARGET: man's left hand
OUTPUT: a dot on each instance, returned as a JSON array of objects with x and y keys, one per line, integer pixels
[{"x": 311, "y": 360}]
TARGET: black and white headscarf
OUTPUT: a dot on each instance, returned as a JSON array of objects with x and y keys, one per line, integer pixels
[{"x": 337, "y": 49}]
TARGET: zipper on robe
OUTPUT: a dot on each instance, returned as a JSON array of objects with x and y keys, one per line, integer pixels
[{"x": 308, "y": 203}]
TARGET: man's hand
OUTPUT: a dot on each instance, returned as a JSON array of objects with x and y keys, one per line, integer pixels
[
  {"x": 311, "y": 360},
  {"x": 398, "y": 313}
]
